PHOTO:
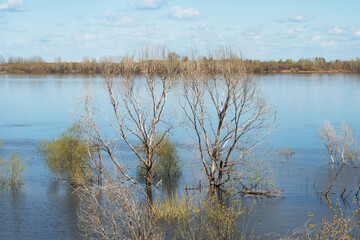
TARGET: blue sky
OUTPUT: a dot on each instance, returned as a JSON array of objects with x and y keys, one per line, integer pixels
[{"x": 262, "y": 29}]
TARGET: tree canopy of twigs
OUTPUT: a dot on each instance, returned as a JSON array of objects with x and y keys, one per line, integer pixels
[
  {"x": 225, "y": 112},
  {"x": 137, "y": 108},
  {"x": 114, "y": 211},
  {"x": 341, "y": 147},
  {"x": 226, "y": 115}
]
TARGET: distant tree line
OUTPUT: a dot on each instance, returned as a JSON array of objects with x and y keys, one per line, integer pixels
[
  {"x": 304, "y": 65},
  {"x": 37, "y": 65}
]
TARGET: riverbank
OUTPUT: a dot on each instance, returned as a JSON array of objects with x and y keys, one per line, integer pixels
[{"x": 179, "y": 65}]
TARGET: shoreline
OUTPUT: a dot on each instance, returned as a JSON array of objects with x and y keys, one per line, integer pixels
[{"x": 263, "y": 73}]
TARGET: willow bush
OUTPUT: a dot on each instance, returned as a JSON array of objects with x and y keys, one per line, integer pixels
[
  {"x": 166, "y": 159},
  {"x": 200, "y": 217},
  {"x": 341, "y": 225},
  {"x": 11, "y": 172},
  {"x": 68, "y": 155}
]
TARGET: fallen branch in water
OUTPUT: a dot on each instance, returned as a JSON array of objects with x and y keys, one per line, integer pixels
[{"x": 250, "y": 191}]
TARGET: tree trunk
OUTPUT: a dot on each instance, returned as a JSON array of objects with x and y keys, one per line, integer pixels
[
  {"x": 332, "y": 159},
  {"x": 148, "y": 183},
  {"x": 100, "y": 168},
  {"x": 343, "y": 157},
  {"x": 212, "y": 173}
]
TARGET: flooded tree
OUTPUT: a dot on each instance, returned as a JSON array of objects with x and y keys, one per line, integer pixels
[
  {"x": 11, "y": 172},
  {"x": 137, "y": 106},
  {"x": 114, "y": 211},
  {"x": 328, "y": 138},
  {"x": 227, "y": 117},
  {"x": 341, "y": 147}
]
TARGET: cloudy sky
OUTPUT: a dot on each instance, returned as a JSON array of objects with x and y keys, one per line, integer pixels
[{"x": 262, "y": 29}]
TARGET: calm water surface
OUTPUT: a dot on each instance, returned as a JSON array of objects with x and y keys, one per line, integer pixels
[{"x": 37, "y": 107}]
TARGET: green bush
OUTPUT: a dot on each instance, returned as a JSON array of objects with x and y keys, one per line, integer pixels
[
  {"x": 11, "y": 172},
  {"x": 166, "y": 159},
  {"x": 68, "y": 155},
  {"x": 202, "y": 217}
]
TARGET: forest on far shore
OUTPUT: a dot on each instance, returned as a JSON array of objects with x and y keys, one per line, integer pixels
[{"x": 36, "y": 65}]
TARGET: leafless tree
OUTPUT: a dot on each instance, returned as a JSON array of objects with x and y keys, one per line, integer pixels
[
  {"x": 347, "y": 146},
  {"x": 100, "y": 145},
  {"x": 341, "y": 148},
  {"x": 329, "y": 138},
  {"x": 137, "y": 106},
  {"x": 227, "y": 117},
  {"x": 114, "y": 211}
]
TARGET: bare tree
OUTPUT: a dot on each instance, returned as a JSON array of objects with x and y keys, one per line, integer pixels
[
  {"x": 329, "y": 139},
  {"x": 115, "y": 211},
  {"x": 347, "y": 145},
  {"x": 137, "y": 106},
  {"x": 99, "y": 144},
  {"x": 341, "y": 148},
  {"x": 227, "y": 117}
]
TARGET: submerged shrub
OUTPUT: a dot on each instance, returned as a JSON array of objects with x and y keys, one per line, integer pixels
[
  {"x": 11, "y": 172},
  {"x": 68, "y": 155},
  {"x": 174, "y": 208},
  {"x": 200, "y": 217},
  {"x": 340, "y": 226},
  {"x": 166, "y": 159},
  {"x": 286, "y": 152},
  {"x": 115, "y": 211},
  {"x": 341, "y": 147}
]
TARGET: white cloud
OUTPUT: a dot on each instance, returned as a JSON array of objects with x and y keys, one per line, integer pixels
[
  {"x": 85, "y": 37},
  {"x": 149, "y": 4},
  {"x": 357, "y": 33},
  {"x": 327, "y": 44},
  {"x": 293, "y": 32},
  {"x": 113, "y": 19},
  {"x": 200, "y": 27},
  {"x": 51, "y": 38},
  {"x": 17, "y": 42},
  {"x": 186, "y": 14},
  {"x": 336, "y": 30},
  {"x": 299, "y": 18},
  {"x": 12, "y": 6},
  {"x": 252, "y": 32},
  {"x": 317, "y": 38},
  {"x": 323, "y": 42}
]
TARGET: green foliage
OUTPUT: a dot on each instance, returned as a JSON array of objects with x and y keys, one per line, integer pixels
[
  {"x": 173, "y": 56},
  {"x": 258, "y": 180},
  {"x": 11, "y": 172},
  {"x": 337, "y": 227},
  {"x": 222, "y": 219},
  {"x": 198, "y": 217},
  {"x": 68, "y": 155},
  {"x": 166, "y": 159},
  {"x": 174, "y": 207},
  {"x": 1, "y": 143}
]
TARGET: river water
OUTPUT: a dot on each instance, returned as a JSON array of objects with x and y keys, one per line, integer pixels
[{"x": 37, "y": 107}]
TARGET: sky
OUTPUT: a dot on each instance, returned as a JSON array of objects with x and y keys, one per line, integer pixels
[{"x": 261, "y": 29}]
